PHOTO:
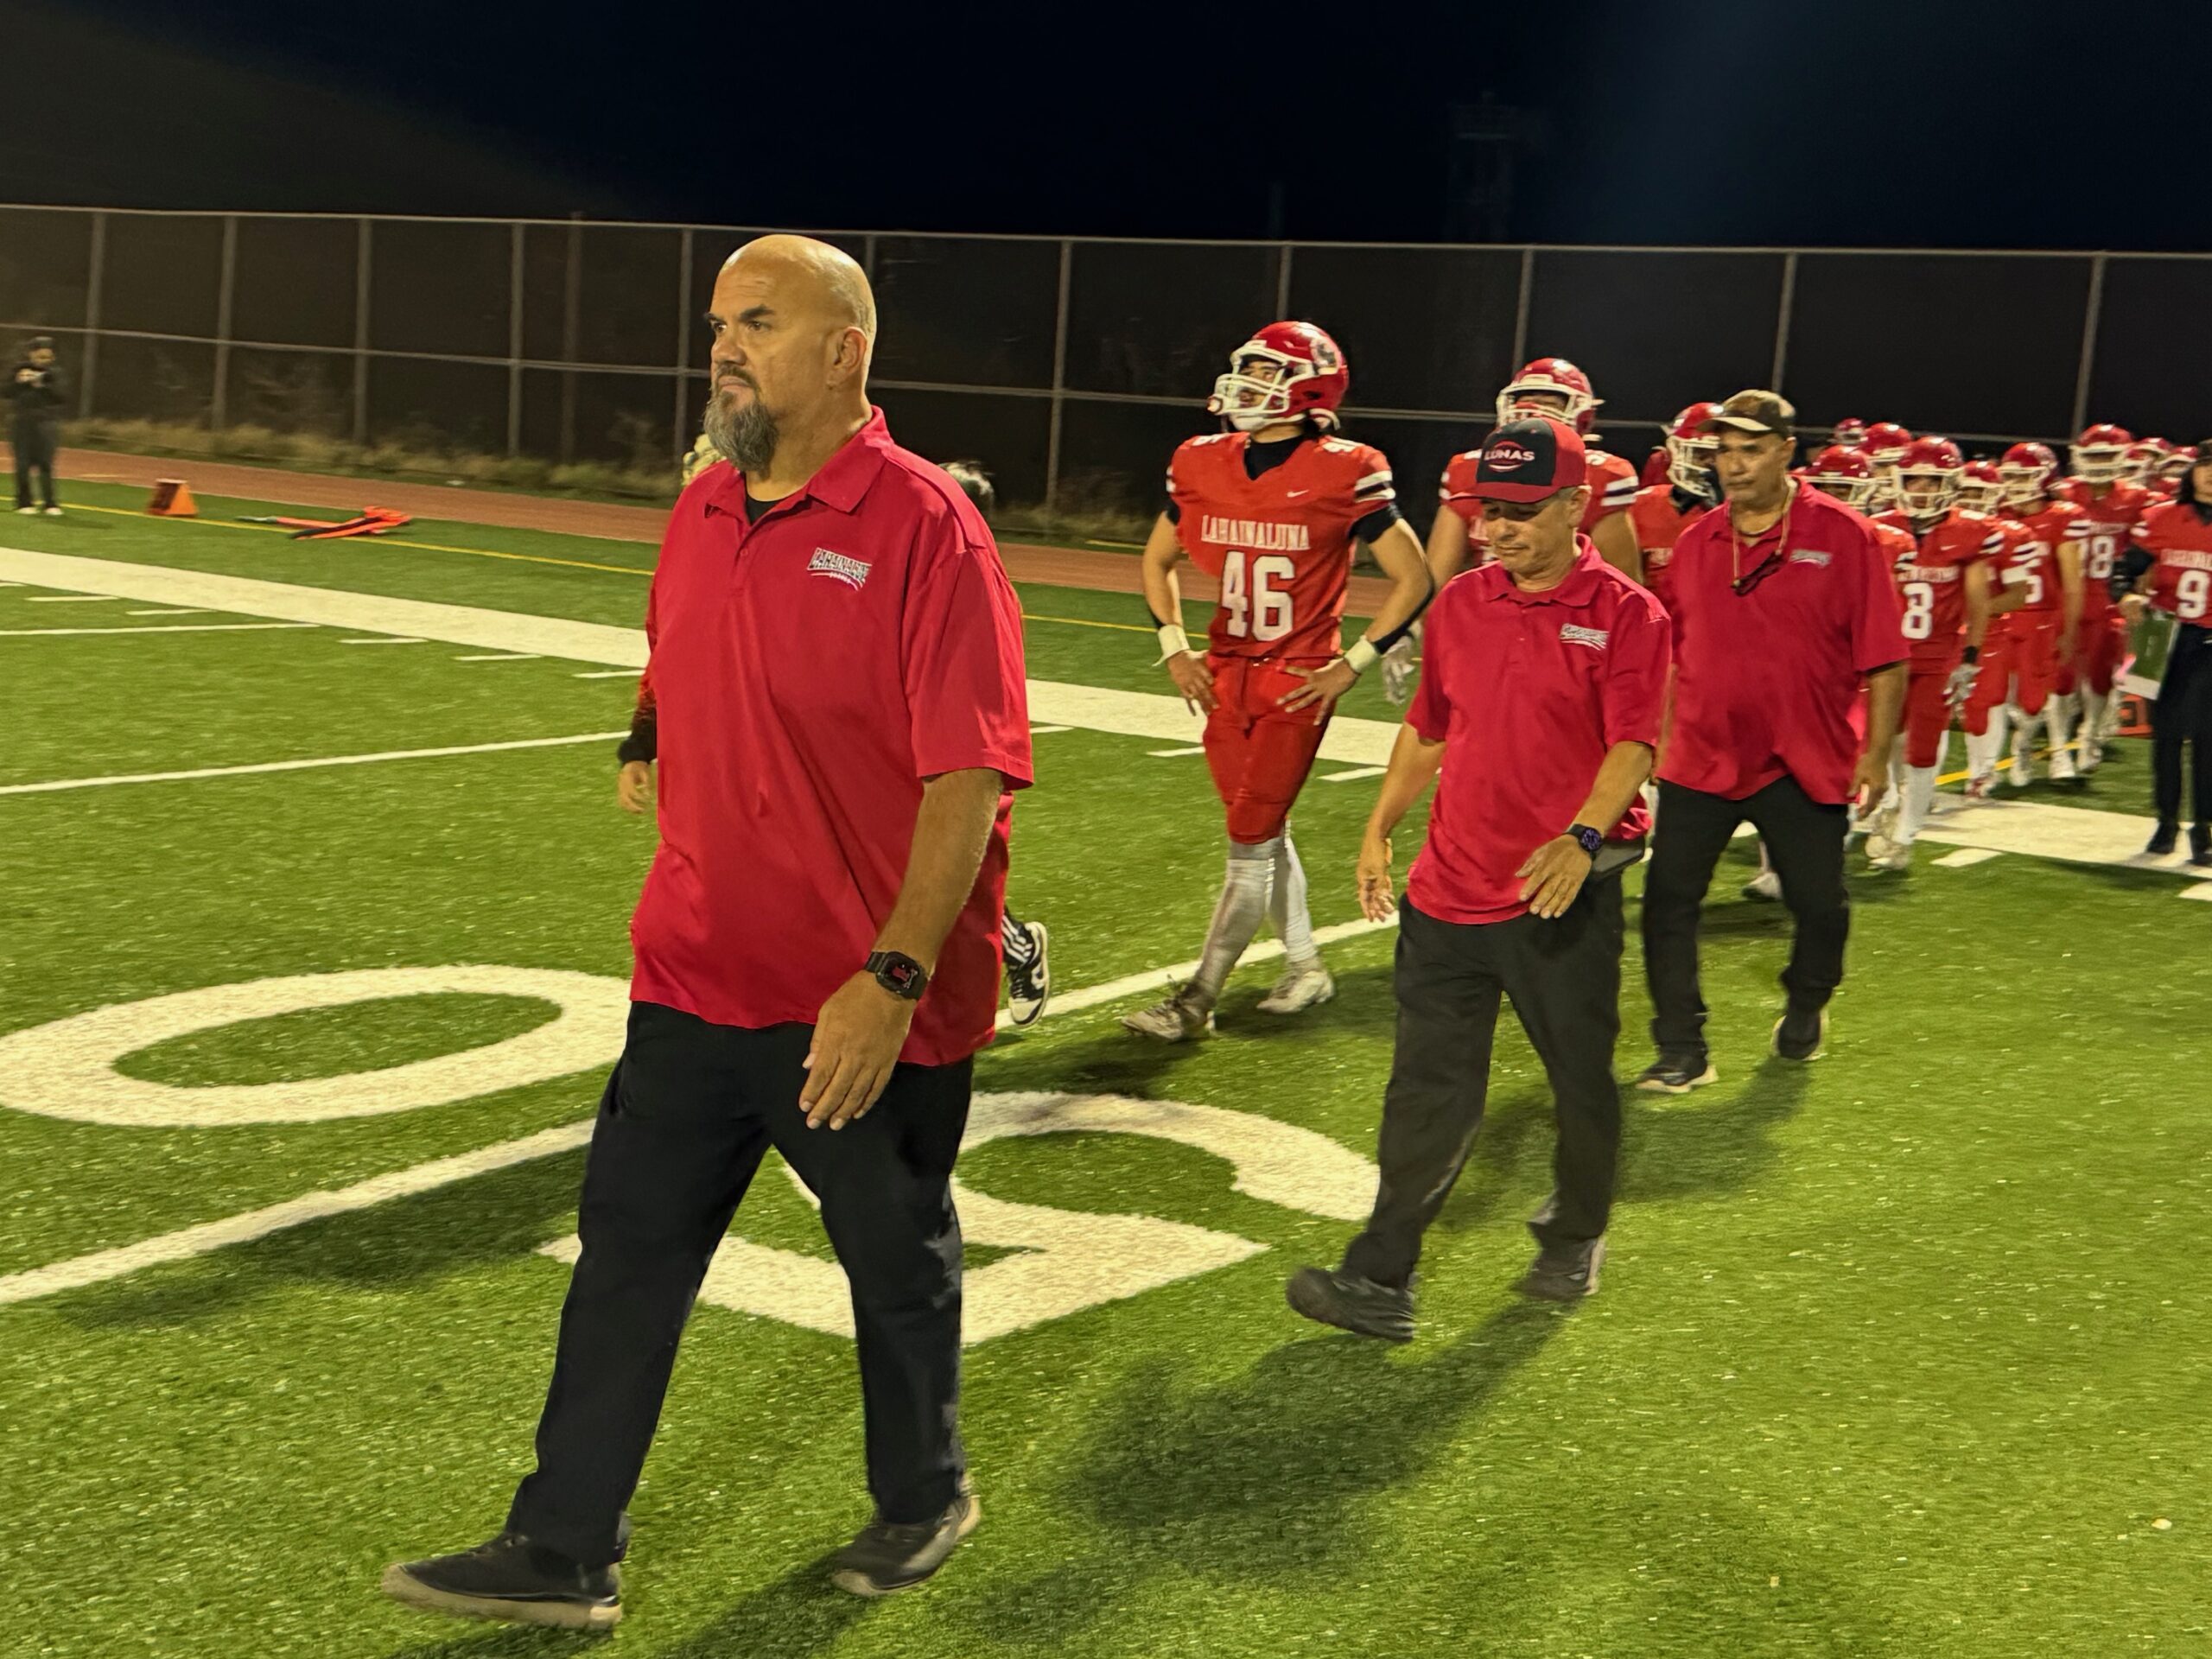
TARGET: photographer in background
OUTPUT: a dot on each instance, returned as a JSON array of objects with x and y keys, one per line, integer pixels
[{"x": 35, "y": 391}]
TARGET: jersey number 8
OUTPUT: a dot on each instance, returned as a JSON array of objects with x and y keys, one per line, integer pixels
[
  {"x": 1256, "y": 610},
  {"x": 1919, "y": 619}
]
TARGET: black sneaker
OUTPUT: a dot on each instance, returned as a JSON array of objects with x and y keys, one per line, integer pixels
[
  {"x": 884, "y": 1556},
  {"x": 2163, "y": 838},
  {"x": 1800, "y": 1033},
  {"x": 512, "y": 1578},
  {"x": 1349, "y": 1303},
  {"x": 1676, "y": 1074},
  {"x": 1565, "y": 1273},
  {"x": 2200, "y": 845},
  {"x": 1029, "y": 983}
]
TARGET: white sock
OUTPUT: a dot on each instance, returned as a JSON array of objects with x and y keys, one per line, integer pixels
[
  {"x": 1287, "y": 909},
  {"x": 2058, "y": 721},
  {"x": 1982, "y": 750},
  {"x": 2093, "y": 717},
  {"x": 1236, "y": 915},
  {"x": 1919, "y": 794}
]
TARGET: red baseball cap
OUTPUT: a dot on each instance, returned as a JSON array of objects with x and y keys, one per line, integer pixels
[{"x": 1529, "y": 460}]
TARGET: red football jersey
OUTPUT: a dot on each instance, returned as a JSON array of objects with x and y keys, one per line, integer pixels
[
  {"x": 2180, "y": 581},
  {"x": 1281, "y": 544},
  {"x": 1932, "y": 578},
  {"x": 2036, "y": 552},
  {"x": 1613, "y": 485},
  {"x": 1656, "y": 516},
  {"x": 2107, "y": 522}
]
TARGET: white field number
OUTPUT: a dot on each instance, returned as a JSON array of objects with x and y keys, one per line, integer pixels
[
  {"x": 1068, "y": 1261},
  {"x": 1257, "y": 608}
]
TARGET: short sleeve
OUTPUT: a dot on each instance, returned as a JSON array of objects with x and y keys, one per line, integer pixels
[
  {"x": 1634, "y": 697},
  {"x": 1430, "y": 712},
  {"x": 1877, "y": 621},
  {"x": 966, "y": 693},
  {"x": 1372, "y": 487},
  {"x": 1459, "y": 480}
]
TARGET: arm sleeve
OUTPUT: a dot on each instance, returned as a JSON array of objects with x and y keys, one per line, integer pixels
[
  {"x": 1430, "y": 712},
  {"x": 643, "y": 742},
  {"x": 1634, "y": 697},
  {"x": 1371, "y": 527},
  {"x": 967, "y": 698},
  {"x": 1877, "y": 622}
]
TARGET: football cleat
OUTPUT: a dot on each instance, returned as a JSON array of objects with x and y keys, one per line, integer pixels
[
  {"x": 1978, "y": 785},
  {"x": 1303, "y": 985},
  {"x": 1175, "y": 1018},
  {"x": 1676, "y": 1074},
  {"x": 1029, "y": 983},
  {"x": 1883, "y": 854},
  {"x": 2062, "y": 766},
  {"x": 1766, "y": 885}
]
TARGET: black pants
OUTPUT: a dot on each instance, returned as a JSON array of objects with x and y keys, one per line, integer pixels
[
  {"x": 1564, "y": 978},
  {"x": 1803, "y": 836},
  {"x": 2181, "y": 712},
  {"x": 34, "y": 443},
  {"x": 683, "y": 1125}
]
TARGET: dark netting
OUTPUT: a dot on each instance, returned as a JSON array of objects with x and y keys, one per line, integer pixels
[
  {"x": 292, "y": 391},
  {"x": 974, "y": 312},
  {"x": 154, "y": 380},
  {"x": 439, "y": 287},
  {"x": 162, "y": 273},
  {"x": 1654, "y": 331},
  {"x": 419, "y": 405},
  {"x": 621, "y": 420},
  {"x": 710, "y": 245},
  {"x": 1949, "y": 343},
  {"x": 1417, "y": 451},
  {"x": 1421, "y": 327},
  {"x": 2154, "y": 348},
  {"x": 44, "y": 264},
  {"x": 296, "y": 282},
  {"x": 1114, "y": 456},
  {"x": 1160, "y": 318},
  {"x": 1006, "y": 435},
  {"x": 630, "y": 293}
]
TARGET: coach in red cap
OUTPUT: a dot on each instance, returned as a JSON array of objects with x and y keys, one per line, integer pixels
[
  {"x": 837, "y": 675},
  {"x": 1542, "y": 684},
  {"x": 1784, "y": 603}
]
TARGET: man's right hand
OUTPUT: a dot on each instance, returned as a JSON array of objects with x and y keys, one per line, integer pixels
[
  {"x": 1376, "y": 898},
  {"x": 1870, "y": 779},
  {"x": 633, "y": 786},
  {"x": 1194, "y": 680}
]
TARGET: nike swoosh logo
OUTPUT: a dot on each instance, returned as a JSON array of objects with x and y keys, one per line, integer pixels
[{"x": 1295, "y": 494}]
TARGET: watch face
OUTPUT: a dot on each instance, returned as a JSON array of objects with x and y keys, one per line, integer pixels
[{"x": 903, "y": 975}]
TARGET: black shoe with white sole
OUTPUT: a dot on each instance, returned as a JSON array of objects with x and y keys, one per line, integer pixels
[
  {"x": 887, "y": 1556},
  {"x": 1800, "y": 1033},
  {"x": 2163, "y": 839},
  {"x": 1029, "y": 981},
  {"x": 1676, "y": 1074},
  {"x": 1565, "y": 1273},
  {"x": 2200, "y": 845},
  {"x": 1353, "y": 1304},
  {"x": 512, "y": 1578}
]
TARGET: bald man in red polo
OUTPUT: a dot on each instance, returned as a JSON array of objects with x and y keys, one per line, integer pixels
[{"x": 841, "y": 715}]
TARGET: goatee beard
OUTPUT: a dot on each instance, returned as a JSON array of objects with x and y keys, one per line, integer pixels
[{"x": 745, "y": 437}]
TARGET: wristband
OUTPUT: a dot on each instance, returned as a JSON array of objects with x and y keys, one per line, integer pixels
[
  {"x": 1174, "y": 642},
  {"x": 1362, "y": 656},
  {"x": 1972, "y": 655}
]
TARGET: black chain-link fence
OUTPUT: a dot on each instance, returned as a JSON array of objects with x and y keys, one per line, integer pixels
[{"x": 1068, "y": 366}]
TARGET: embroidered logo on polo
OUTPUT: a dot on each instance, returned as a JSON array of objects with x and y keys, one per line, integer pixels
[
  {"x": 1571, "y": 634},
  {"x": 838, "y": 566},
  {"x": 1810, "y": 555}
]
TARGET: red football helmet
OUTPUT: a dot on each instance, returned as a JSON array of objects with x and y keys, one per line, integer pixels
[
  {"x": 2100, "y": 455},
  {"x": 1690, "y": 450},
  {"x": 1981, "y": 487},
  {"x": 1844, "y": 472},
  {"x": 2144, "y": 457},
  {"x": 2180, "y": 457},
  {"x": 1553, "y": 376},
  {"x": 1850, "y": 433},
  {"x": 1885, "y": 442},
  {"x": 1928, "y": 474},
  {"x": 2027, "y": 469},
  {"x": 1287, "y": 369}
]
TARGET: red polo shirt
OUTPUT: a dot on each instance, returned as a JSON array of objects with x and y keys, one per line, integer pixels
[
  {"x": 1527, "y": 692},
  {"x": 809, "y": 670},
  {"x": 1764, "y": 680}
]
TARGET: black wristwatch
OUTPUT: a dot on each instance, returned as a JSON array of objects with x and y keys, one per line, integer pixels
[
  {"x": 1586, "y": 838},
  {"x": 901, "y": 975}
]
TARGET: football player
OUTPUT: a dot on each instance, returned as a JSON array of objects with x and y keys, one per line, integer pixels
[
  {"x": 2110, "y": 507},
  {"x": 1988, "y": 716},
  {"x": 2044, "y": 631},
  {"x": 1026, "y": 947},
  {"x": 2168, "y": 563},
  {"x": 1658, "y": 511},
  {"x": 1944, "y": 584},
  {"x": 1272, "y": 507},
  {"x": 1554, "y": 386},
  {"x": 1850, "y": 433},
  {"x": 1886, "y": 443}
]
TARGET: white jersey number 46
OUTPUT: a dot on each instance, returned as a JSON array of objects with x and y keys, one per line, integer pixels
[{"x": 1257, "y": 609}]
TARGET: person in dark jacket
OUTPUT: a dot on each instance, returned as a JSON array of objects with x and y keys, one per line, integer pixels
[{"x": 36, "y": 391}]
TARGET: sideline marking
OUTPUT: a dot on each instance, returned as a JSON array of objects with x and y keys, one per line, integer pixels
[
  {"x": 1966, "y": 858},
  {"x": 501, "y": 657},
  {"x": 158, "y": 627},
  {"x": 1356, "y": 771},
  {"x": 188, "y": 612},
  {"x": 386, "y": 639},
  {"x": 52, "y": 785},
  {"x": 68, "y": 598},
  {"x": 608, "y": 674},
  {"x": 1170, "y": 754}
]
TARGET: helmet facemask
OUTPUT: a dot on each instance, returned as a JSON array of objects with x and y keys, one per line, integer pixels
[{"x": 1256, "y": 390}]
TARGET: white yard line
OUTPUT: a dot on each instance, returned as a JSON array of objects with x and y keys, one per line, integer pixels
[
  {"x": 386, "y": 639},
  {"x": 1046, "y": 731},
  {"x": 2202, "y": 891},
  {"x": 501, "y": 657},
  {"x": 608, "y": 674},
  {"x": 1170, "y": 754},
  {"x": 69, "y": 599},
  {"x": 157, "y": 628},
  {"x": 53, "y": 784},
  {"x": 189, "y": 612},
  {"x": 1356, "y": 771},
  {"x": 1966, "y": 858}
]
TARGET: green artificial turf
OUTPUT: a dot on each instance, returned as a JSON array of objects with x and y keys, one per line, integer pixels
[{"x": 1899, "y": 1354}]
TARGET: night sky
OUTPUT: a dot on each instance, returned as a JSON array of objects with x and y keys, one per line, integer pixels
[{"x": 1853, "y": 125}]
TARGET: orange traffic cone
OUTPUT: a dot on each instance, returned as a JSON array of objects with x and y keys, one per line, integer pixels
[{"x": 172, "y": 499}]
